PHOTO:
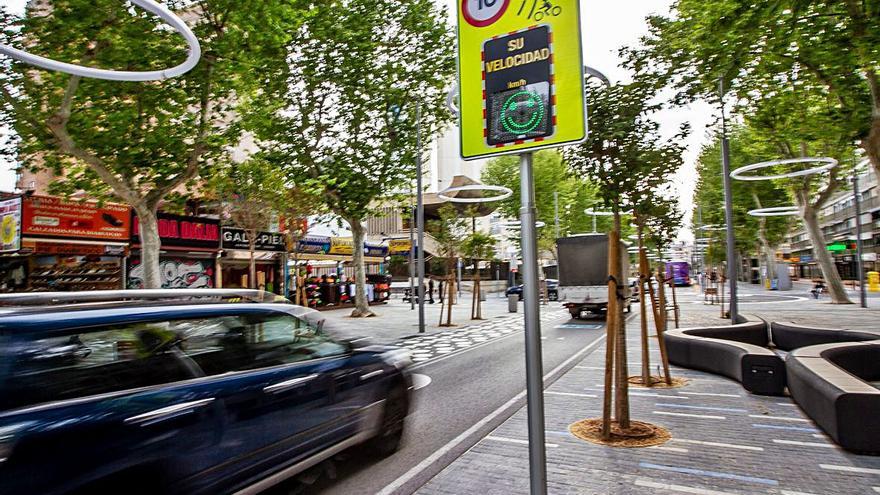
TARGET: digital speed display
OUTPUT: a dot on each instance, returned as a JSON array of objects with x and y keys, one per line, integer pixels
[{"x": 518, "y": 79}]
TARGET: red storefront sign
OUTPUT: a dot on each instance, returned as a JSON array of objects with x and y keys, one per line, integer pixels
[
  {"x": 45, "y": 216},
  {"x": 183, "y": 231}
]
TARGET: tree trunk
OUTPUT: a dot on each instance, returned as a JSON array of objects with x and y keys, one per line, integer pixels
[
  {"x": 820, "y": 253},
  {"x": 151, "y": 244},
  {"x": 252, "y": 268},
  {"x": 644, "y": 275},
  {"x": 451, "y": 285},
  {"x": 476, "y": 313},
  {"x": 610, "y": 343},
  {"x": 766, "y": 250},
  {"x": 661, "y": 329},
  {"x": 621, "y": 388},
  {"x": 361, "y": 305}
]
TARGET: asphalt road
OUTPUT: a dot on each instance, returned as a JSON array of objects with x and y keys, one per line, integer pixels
[{"x": 464, "y": 388}]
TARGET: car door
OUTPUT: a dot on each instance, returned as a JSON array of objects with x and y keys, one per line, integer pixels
[
  {"x": 278, "y": 390},
  {"x": 84, "y": 408}
]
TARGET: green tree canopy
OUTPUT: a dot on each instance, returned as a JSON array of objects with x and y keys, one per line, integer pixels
[
  {"x": 135, "y": 142},
  {"x": 339, "y": 112},
  {"x": 756, "y": 48}
]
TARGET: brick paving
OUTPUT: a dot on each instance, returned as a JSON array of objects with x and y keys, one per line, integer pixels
[{"x": 725, "y": 440}]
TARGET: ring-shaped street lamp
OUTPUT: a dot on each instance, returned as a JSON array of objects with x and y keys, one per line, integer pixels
[
  {"x": 776, "y": 211},
  {"x": 195, "y": 53},
  {"x": 590, "y": 211},
  {"x": 517, "y": 224},
  {"x": 713, "y": 228},
  {"x": 506, "y": 192},
  {"x": 827, "y": 164}
]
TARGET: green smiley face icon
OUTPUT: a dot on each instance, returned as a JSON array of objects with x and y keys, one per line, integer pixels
[{"x": 522, "y": 112}]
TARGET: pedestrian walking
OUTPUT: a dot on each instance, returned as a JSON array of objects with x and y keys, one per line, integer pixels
[{"x": 430, "y": 291}]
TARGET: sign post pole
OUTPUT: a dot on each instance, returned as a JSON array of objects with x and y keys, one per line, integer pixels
[
  {"x": 521, "y": 88},
  {"x": 534, "y": 365}
]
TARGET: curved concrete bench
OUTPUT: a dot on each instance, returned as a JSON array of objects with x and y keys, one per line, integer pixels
[
  {"x": 790, "y": 336},
  {"x": 737, "y": 351},
  {"x": 828, "y": 381}
]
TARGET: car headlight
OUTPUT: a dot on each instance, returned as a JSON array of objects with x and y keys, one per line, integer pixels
[
  {"x": 399, "y": 358},
  {"x": 7, "y": 439}
]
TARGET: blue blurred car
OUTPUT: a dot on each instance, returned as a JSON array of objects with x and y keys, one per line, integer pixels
[
  {"x": 552, "y": 290},
  {"x": 185, "y": 397}
]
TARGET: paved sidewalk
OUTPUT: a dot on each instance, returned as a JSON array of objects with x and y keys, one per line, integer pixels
[
  {"x": 725, "y": 440},
  {"x": 396, "y": 320}
]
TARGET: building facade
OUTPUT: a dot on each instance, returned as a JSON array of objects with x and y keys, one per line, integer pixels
[{"x": 838, "y": 222}]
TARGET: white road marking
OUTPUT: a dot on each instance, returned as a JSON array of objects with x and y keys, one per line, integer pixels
[
  {"x": 420, "y": 381},
  {"x": 515, "y": 440},
  {"x": 442, "y": 451},
  {"x": 804, "y": 444},
  {"x": 591, "y": 396},
  {"x": 789, "y": 492},
  {"x": 670, "y": 449},
  {"x": 786, "y": 404},
  {"x": 876, "y": 488},
  {"x": 820, "y": 435},
  {"x": 849, "y": 469},
  {"x": 647, "y": 394},
  {"x": 719, "y": 444},
  {"x": 685, "y": 415},
  {"x": 779, "y": 418},
  {"x": 711, "y": 395},
  {"x": 679, "y": 488}
]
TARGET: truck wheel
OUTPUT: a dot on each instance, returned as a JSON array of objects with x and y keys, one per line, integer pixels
[
  {"x": 629, "y": 308},
  {"x": 574, "y": 312}
]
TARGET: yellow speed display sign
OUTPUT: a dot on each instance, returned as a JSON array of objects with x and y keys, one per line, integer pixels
[{"x": 520, "y": 75}]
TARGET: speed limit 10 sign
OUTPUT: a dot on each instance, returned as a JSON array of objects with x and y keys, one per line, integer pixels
[{"x": 520, "y": 74}]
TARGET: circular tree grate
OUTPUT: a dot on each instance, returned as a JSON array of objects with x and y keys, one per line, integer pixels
[{"x": 640, "y": 434}]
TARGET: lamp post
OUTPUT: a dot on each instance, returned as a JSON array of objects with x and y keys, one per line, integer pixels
[
  {"x": 420, "y": 220},
  {"x": 863, "y": 295},
  {"x": 728, "y": 208}
]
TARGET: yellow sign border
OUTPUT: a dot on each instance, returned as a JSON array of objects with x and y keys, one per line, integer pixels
[{"x": 571, "y": 126}]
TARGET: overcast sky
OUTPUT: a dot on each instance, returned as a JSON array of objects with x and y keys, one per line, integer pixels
[{"x": 607, "y": 25}]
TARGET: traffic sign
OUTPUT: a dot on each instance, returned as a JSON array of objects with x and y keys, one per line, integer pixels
[{"x": 520, "y": 74}]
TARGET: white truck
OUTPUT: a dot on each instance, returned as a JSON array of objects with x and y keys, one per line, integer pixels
[{"x": 583, "y": 274}]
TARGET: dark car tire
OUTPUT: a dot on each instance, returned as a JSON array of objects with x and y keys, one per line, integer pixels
[
  {"x": 553, "y": 296},
  {"x": 390, "y": 435}
]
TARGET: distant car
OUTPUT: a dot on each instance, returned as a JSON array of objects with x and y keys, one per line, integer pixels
[
  {"x": 188, "y": 397},
  {"x": 552, "y": 293}
]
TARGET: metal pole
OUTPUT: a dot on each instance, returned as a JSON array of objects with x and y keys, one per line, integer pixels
[
  {"x": 728, "y": 209},
  {"x": 863, "y": 295},
  {"x": 700, "y": 253},
  {"x": 420, "y": 220},
  {"x": 534, "y": 366},
  {"x": 556, "y": 211},
  {"x": 412, "y": 256}
]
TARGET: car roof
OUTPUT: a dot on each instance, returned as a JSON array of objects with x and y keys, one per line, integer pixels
[
  {"x": 57, "y": 321},
  {"x": 44, "y": 299}
]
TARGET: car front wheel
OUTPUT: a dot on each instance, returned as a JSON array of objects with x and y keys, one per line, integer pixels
[{"x": 390, "y": 435}]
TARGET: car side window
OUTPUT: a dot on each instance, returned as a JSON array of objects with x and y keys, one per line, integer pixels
[
  {"x": 94, "y": 361},
  {"x": 246, "y": 342}
]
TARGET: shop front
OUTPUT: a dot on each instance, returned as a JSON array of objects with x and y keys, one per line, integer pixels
[
  {"x": 64, "y": 245},
  {"x": 269, "y": 255},
  {"x": 325, "y": 265},
  {"x": 189, "y": 255}
]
